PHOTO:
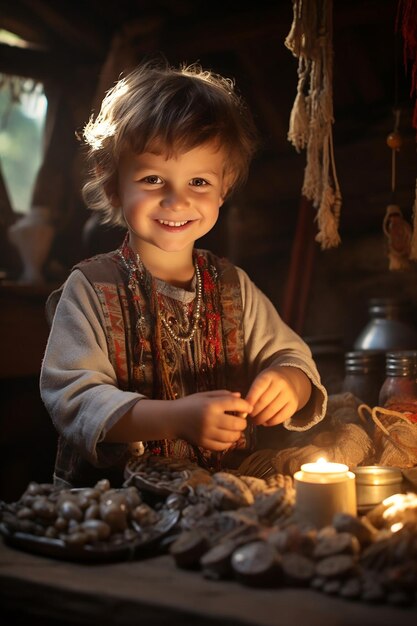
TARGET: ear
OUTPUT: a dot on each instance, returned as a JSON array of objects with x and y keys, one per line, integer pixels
[
  {"x": 111, "y": 192},
  {"x": 227, "y": 184},
  {"x": 114, "y": 200}
]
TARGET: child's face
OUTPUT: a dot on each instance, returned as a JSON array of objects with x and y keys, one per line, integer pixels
[{"x": 168, "y": 203}]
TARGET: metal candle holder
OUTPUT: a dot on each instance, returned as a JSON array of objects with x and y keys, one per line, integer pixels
[{"x": 374, "y": 483}]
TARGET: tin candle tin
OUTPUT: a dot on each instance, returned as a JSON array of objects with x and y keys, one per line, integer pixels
[{"x": 374, "y": 483}]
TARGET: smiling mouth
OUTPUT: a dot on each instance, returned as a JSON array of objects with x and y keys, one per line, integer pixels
[{"x": 173, "y": 224}]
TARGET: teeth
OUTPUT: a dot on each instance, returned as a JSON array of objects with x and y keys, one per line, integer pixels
[{"x": 167, "y": 223}]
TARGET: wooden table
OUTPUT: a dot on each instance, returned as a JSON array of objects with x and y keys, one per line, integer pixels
[{"x": 154, "y": 591}]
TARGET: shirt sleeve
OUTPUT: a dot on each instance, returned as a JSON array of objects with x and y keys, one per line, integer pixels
[
  {"x": 270, "y": 342},
  {"x": 78, "y": 383}
]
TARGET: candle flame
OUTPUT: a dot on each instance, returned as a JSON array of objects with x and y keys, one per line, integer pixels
[
  {"x": 321, "y": 466},
  {"x": 396, "y": 527}
]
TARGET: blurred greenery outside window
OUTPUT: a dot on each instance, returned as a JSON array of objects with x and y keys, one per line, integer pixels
[{"x": 23, "y": 107}]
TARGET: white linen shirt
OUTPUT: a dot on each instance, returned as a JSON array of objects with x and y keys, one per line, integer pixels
[{"x": 78, "y": 383}]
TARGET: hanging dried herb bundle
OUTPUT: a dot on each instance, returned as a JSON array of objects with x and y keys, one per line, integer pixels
[{"x": 311, "y": 119}]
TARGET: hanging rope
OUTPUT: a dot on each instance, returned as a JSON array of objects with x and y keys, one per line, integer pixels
[
  {"x": 311, "y": 118},
  {"x": 397, "y": 230}
]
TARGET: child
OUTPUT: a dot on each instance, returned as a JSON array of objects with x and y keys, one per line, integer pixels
[{"x": 159, "y": 345}]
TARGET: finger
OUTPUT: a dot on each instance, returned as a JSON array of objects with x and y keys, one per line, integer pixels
[
  {"x": 241, "y": 409},
  {"x": 226, "y": 436},
  {"x": 220, "y": 440},
  {"x": 242, "y": 414},
  {"x": 257, "y": 389},
  {"x": 268, "y": 412},
  {"x": 273, "y": 415},
  {"x": 215, "y": 446},
  {"x": 284, "y": 414},
  {"x": 270, "y": 396},
  {"x": 234, "y": 423},
  {"x": 222, "y": 392},
  {"x": 234, "y": 405}
]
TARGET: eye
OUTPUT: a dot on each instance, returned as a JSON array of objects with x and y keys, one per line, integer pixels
[
  {"x": 198, "y": 182},
  {"x": 153, "y": 179}
]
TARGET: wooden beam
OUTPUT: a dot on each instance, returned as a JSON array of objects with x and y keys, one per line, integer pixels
[
  {"x": 24, "y": 23},
  {"x": 73, "y": 27},
  {"x": 24, "y": 62},
  {"x": 301, "y": 268},
  {"x": 227, "y": 33},
  {"x": 39, "y": 64}
]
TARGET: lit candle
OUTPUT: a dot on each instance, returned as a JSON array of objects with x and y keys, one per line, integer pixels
[
  {"x": 322, "y": 490},
  {"x": 324, "y": 472}
]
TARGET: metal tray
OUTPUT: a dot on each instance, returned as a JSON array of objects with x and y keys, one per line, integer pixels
[{"x": 147, "y": 540}]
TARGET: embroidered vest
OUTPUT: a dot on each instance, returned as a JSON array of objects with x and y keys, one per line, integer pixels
[{"x": 133, "y": 360}]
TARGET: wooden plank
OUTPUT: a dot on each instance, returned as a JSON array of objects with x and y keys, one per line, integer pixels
[
  {"x": 74, "y": 28},
  {"x": 154, "y": 591}
]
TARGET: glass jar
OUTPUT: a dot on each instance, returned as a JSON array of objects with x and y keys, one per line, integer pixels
[
  {"x": 390, "y": 326},
  {"x": 399, "y": 390},
  {"x": 364, "y": 374}
]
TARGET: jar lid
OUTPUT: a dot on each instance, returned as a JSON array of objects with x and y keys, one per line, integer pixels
[
  {"x": 377, "y": 475},
  {"x": 364, "y": 361},
  {"x": 401, "y": 363}
]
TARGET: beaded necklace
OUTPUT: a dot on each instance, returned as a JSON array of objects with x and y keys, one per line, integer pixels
[
  {"x": 187, "y": 337},
  {"x": 138, "y": 268}
]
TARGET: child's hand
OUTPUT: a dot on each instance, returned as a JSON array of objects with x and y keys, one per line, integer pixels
[
  {"x": 204, "y": 418},
  {"x": 276, "y": 394}
]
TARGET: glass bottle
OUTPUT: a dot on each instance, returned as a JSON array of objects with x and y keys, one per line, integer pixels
[
  {"x": 390, "y": 326},
  {"x": 364, "y": 374},
  {"x": 399, "y": 390}
]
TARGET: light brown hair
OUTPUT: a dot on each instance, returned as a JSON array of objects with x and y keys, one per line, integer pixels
[{"x": 169, "y": 109}]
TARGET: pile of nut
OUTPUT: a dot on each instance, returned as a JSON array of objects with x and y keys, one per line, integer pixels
[
  {"x": 229, "y": 526},
  {"x": 246, "y": 528},
  {"x": 92, "y": 516},
  {"x": 207, "y": 499},
  {"x": 261, "y": 543}
]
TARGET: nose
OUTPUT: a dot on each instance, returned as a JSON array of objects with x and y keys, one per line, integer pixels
[{"x": 174, "y": 200}]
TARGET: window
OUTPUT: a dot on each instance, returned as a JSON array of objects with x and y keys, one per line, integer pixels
[{"x": 23, "y": 107}]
